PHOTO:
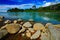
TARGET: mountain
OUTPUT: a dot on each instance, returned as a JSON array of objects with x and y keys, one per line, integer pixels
[{"x": 55, "y": 7}]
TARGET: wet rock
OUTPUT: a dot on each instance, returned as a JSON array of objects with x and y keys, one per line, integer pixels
[
  {"x": 12, "y": 28},
  {"x": 44, "y": 36},
  {"x": 57, "y": 26},
  {"x": 1, "y": 17},
  {"x": 36, "y": 35},
  {"x": 1, "y": 20},
  {"x": 39, "y": 26},
  {"x": 3, "y": 33},
  {"x": 55, "y": 32},
  {"x": 31, "y": 20},
  {"x": 27, "y": 24},
  {"x": 7, "y": 22},
  {"x": 15, "y": 21},
  {"x": 31, "y": 30},
  {"x": 28, "y": 34},
  {"x": 46, "y": 26},
  {"x": 19, "y": 20},
  {"x": 22, "y": 30}
]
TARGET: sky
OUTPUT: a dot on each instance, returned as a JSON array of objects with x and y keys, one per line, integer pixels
[{"x": 25, "y": 4}]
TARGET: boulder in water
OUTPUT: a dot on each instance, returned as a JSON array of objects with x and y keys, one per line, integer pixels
[
  {"x": 48, "y": 24},
  {"x": 39, "y": 26},
  {"x": 27, "y": 24},
  {"x": 1, "y": 20},
  {"x": 12, "y": 28},
  {"x": 31, "y": 20},
  {"x": 1, "y": 17},
  {"x": 15, "y": 21},
  {"x": 7, "y": 22},
  {"x": 57, "y": 26}
]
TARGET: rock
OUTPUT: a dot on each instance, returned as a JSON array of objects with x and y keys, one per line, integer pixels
[
  {"x": 7, "y": 22},
  {"x": 54, "y": 32},
  {"x": 3, "y": 33},
  {"x": 1, "y": 17},
  {"x": 15, "y": 21},
  {"x": 31, "y": 30},
  {"x": 46, "y": 26},
  {"x": 36, "y": 35},
  {"x": 27, "y": 31},
  {"x": 39, "y": 26},
  {"x": 28, "y": 34},
  {"x": 31, "y": 20},
  {"x": 1, "y": 20},
  {"x": 23, "y": 34},
  {"x": 22, "y": 30},
  {"x": 22, "y": 23},
  {"x": 27, "y": 24},
  {"x": 57, "y": 26},
  {"x": 19, "y": 20},
  {"x": 44, "y": 36},
  {"x": 12, "y": 28}
]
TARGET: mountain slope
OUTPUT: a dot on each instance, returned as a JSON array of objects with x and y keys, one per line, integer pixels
[{"x": 55, "y": 7}]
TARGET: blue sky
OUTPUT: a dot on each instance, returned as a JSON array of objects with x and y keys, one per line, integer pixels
[{"x": 24, "y": 4}]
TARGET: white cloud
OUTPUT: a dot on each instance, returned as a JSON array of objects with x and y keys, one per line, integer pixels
[
  {"x": 46, "y": 4},
  {"x": 49, "y": 3}
]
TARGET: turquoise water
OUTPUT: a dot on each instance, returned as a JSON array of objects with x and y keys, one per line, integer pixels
[{"x": 43, "y": 17}]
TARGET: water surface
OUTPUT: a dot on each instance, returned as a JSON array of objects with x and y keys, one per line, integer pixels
[{"x": 43, "y": 17}]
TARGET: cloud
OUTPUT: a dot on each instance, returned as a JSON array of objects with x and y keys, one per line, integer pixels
[
  {"x": 46, "y": 4},
  {"x": 49, "y": 3},
  {"x": 4, "y": 8}
]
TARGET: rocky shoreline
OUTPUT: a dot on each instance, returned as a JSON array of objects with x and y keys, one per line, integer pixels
[{"x": 29, "y": 30}]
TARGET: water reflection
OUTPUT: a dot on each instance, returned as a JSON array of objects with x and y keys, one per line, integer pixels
[{"x": 42, "y": 17}]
